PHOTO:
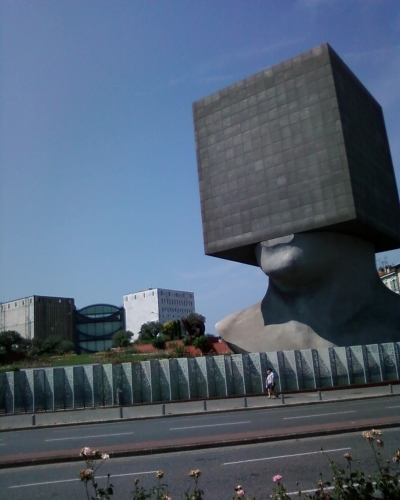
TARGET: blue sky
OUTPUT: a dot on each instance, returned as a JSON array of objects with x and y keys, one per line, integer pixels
[{"x": 99, "y": 192}]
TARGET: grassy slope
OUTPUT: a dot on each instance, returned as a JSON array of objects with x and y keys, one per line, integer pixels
[{"x": 78, "y": 359}]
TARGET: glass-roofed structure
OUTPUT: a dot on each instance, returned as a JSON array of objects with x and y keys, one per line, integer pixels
[{"x": 95, "y": 325}]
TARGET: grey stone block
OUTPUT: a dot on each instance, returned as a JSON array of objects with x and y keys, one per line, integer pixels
[{"x": 298, "y": 147}]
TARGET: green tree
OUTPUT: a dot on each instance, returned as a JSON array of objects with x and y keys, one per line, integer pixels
[
  {"x": 194, "y": 324},
  {"x": 150, "y": 330},
  {"x": 178, "y": 329},
  {"x": 168, "y": 329},
  {"x": 10, "y": 339},
  {"x": 193, "y": 316},
  {"x": 122, "y": 338}
]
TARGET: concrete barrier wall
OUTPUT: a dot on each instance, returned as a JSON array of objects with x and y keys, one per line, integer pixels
[{"x": 90, "y": 386}]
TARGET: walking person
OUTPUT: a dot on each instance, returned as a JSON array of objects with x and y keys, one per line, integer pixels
[{"x": 270, "y": 383}]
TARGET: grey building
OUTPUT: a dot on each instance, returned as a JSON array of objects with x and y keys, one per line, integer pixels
[
  {"x": 390, "y": 276},
  {"x": 298, "y": 147},
  {"x": 39, "y": 316}
]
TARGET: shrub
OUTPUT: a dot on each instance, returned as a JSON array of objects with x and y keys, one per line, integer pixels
[
  {"x": 187, "y": 340},
  {"x": 178, "y": 349},
  {"x": 201, "y": 343},
  {"x": 144, "y": 339},
  {"x": 51, "y": 344},
  {"x": 34, "y": 351},
  {"x": 10, "y": 339},
  {"x": 65, "y": 346},
  {"x": 159, "y": 342}
]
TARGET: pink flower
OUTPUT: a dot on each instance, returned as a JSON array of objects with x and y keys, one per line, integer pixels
[
  {"x": 277, "y": 478},
  {"x": 239, "y": 491},
  {"x": 86, "y": 451}
]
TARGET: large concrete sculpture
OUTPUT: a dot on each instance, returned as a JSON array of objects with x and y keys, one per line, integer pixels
[{"x": 295, "y": 175}]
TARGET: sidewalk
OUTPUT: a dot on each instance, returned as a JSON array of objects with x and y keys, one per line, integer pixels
[{"x": 168, "y": 409}]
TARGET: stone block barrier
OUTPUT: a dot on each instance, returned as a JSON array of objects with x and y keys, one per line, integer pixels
[{"x": 90, "y": 386}]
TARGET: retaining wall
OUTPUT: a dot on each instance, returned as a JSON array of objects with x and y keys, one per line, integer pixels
[{"x": 89, "y": 386}]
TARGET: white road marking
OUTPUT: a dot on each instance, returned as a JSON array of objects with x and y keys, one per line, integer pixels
[
  {"x": 87, "y": 437},
  {"x": 308, "y": 491},
  {"x": 69, "y": 480},
  {"x": 321, "y": 415},
  {"x": 389, "y": 407},
  {"x": 286, "y": 456},
  {"x": 326, "y": 488},
  {"x": 211, "y": 425}
]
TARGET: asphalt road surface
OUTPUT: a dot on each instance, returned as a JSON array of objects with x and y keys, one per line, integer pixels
[
  {"x": 252, "y": 466},
  {"x": 198, "y": 428}
]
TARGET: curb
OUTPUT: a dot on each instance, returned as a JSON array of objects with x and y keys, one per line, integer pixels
[
  {"x": 199, "y": 446},
  {"x": 203, "y": 412}
]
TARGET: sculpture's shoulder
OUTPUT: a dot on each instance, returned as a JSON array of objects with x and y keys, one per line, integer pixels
[
  {"x": 248, "y": 331},
  {"x": 245, "y": 320}
]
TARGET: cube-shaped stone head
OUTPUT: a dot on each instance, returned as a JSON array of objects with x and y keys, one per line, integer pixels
[{"x": 298, "y": 147}]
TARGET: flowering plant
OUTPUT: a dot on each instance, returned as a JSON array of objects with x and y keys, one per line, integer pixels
[
  {"x": 352, "y": 483},
  {"x": 157, "y": 492},
  {"x": 279, "y": 493},
  {"x": 348, "y": 483},
  {"x": 87, "y": 475},
  {"x": 197, "y": 493}
]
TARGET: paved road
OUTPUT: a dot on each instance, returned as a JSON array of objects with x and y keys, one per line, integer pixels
[
  {"x": 205, "y": 429},
  {"x": 147, "y": 411},
  {"x": 252, "y": 466}
]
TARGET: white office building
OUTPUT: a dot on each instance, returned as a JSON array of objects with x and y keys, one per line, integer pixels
[{"x": 156, "y": 304}]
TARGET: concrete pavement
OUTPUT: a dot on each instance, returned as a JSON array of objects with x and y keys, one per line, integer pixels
[
  {"x": 155, "y": 410},
  {"x": 189, "y": 408}
]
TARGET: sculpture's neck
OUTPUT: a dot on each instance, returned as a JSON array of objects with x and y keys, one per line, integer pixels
[{"x": 332, "y": 301}]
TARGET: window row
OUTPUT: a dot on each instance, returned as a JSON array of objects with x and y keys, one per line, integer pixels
[
  {"x": 99, "y": 329},
  {"x": 177, "y": 302},
  {"x": 176, "y": 310},
  {"x": 95, "y": 346}
]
